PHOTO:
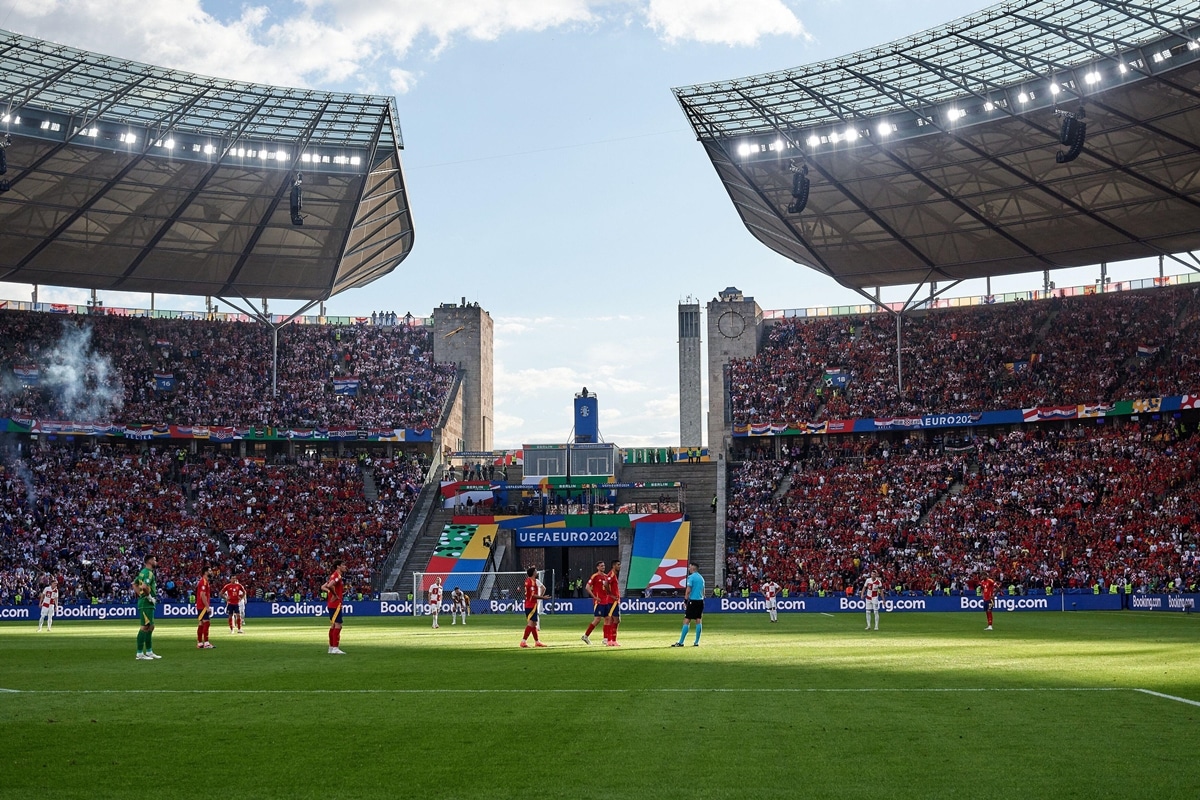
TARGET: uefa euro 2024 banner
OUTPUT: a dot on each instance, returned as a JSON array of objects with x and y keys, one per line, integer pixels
[{"x": 640, "y": 605}]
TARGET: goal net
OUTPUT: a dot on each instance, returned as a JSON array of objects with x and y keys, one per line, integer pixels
[{"x": 505, "y": 587}]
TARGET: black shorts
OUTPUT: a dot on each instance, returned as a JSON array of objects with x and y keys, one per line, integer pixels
[
  {"x": 204, "y": 613},
  {"x": 694, "y": 610},
  {"x": 335, "y": 615},
  {"x": 988, "y": 605},
  {"x": 601, "y": 610},
  {"x": 531, "y": 615},
  {"x": 615, "y": 611},
  {"x": 233, "y": 608}
]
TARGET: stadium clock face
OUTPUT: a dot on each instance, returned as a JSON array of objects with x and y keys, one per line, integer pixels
[{"x": 731, "y": 324}]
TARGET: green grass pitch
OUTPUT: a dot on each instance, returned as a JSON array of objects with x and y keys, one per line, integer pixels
[{"x": 1047, "y": 705}]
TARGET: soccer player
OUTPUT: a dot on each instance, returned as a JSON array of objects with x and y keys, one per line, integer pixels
[
  {"x": 435, "y": 600},
  {"x": 49, "y": 606},
  {"x": 770, "y": 591},
  {"x": 989, "y": 588},
  {"x": 145, "y": 586},
  {"x": 533, "y": 594},
  {"x": 334, "y": 589},
  {"x": 597, "y": 589},
  {"x": 204, "y": 609},
  {"x": 235, "y": 596},
  {"x": 872, "y": 592},
  {"x": 693, "y": 593},
  {"x": 613, "y": 619},
  {"x": 459, "y": 604}
]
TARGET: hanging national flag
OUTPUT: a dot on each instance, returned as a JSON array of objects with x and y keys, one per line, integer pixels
[
  {"x": 162, "y": 343},
  {"x": 60, "y": 308},
  {"x": 28, "y": 375},
  {"x": 346, "y": 386},
  {"x": 164, "y": 381},
  {"x": 1146, "y": 351}
]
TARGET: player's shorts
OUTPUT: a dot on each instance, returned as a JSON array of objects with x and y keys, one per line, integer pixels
[
  {"x": 873, "y": 604},
  {"x": 988, "y": 605},
  {"x": 47, "y": 611},
  {"x": 770, "y": 603},
  {"x": 204, "y": 613},
  {"x": 531, "y": 615},
  {"x": 694, "y": 609},
  {"x": 233, "y": 608},
  {"x": 146, "y": 613},
  {"x": 602, "y": 609},
  {"x": 614, "y": 611},
  {"x": 335, "y": 614}
]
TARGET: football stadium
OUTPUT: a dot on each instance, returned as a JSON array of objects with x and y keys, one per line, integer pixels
[{"x": 913, "y": 549}]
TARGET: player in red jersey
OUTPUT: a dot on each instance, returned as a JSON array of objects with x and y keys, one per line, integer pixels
[
  {"x": 334, "y": 589},
  {"x": 533, "y": 593},
  {"x": 613, "y": 618},
  {"x": 989, "y": 587},
  {"x": 234, "y": 594},
  {"x": 597, "y": 589},
  {"x": 204, "y": 609}
]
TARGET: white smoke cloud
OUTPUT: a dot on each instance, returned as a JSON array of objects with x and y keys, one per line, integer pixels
[{"x": 83, "y": 382}]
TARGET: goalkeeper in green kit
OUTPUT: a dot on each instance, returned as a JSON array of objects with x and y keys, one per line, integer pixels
[{"x": 145, "y": 586}]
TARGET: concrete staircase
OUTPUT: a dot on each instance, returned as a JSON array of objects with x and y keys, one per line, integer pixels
[{"x": 700, "y": 485}]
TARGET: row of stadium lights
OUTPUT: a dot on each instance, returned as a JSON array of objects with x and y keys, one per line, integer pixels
[
  {"x": 130, "y": 138},
  {"x": 885, "y": 129}
]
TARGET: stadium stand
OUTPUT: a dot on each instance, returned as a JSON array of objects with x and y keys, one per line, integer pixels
[
  {"x": 1064, "y": 350},
  {"x": 1075, "y": 507},
  {"x": 87, "y": 515},
  {"x": 164, "y": 371}
]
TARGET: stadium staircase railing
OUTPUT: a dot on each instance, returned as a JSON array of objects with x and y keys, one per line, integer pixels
[{"x": 389, "y": 577}]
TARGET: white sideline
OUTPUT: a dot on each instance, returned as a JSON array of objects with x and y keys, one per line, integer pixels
[{"x": 1169, "y": 697}]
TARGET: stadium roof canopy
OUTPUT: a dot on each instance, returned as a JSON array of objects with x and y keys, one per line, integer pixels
[
  {"x": 124, "y": 176},
  {"x": 933, "y": 158}
]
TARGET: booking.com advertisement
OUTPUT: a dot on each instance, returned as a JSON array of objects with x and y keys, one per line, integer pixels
[{"x": 640, "y": 605}]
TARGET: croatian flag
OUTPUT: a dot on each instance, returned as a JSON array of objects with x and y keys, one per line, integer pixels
[
  {"x": 162, "y": 343},
  {"x": 164, "y": 381},
  {"x": 27, "y": 375},
  {"x": 1146, "y": 351}
]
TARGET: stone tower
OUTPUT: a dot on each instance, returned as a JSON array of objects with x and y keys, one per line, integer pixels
[{"x": 462, "y": 335}]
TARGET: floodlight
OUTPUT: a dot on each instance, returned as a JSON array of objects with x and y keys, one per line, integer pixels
[
  {"x": 169, "y": 144},
  {"x": 955, "y": 114},
  {"x": 355, "y": 161},
  {"x": 1091, "y": 78},
  {"x": 989, "y": 106},
  {"x": 813, "y": 141},
  {"x": 280, "y": 155},
  {"x": 1054, "y": 88},
  {"x": 851, "y": 135},
  {"x": 305, "y": 157},
  {"x": 1022, "y": 98},
  {"x": 884, "y": 129}
]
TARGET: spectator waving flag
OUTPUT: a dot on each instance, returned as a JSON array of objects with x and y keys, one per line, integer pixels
[
  {"x": 1146, "y": 351},
  {"x": 346, "y": 386},
  {"x": 164, "y": 381}
]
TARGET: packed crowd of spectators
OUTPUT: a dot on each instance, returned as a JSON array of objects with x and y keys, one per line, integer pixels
[
  {"x": 1073, "y": 507},
  {"x": 183, "y": 372},
  {"x": 1062, "y": 351},
  {"x": 88, "y": 516}
]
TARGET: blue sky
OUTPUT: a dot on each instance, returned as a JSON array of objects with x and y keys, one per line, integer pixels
[{"x": 552, "y": 176}]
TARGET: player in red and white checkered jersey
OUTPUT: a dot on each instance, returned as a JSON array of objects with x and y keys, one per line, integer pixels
[
  {"x": 770, "y": 590},
  {"x": 873, "y": 596}
]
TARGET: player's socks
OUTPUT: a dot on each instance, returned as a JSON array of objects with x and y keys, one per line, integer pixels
[
  {"x": 989, "y": 618},
  {"x": 149, "y": 641},
  {"x": 533, "y": 629},
  {"x": 333, "y": 637},
  {"x": 699, "y": 627},
  {"x": 683, "y": 634},
  {"x": 141, "y": 641},
  {"x": 528, "y": 629}
]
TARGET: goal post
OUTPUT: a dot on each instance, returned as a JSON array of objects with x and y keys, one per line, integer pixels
[{"x": 501, "y": 586}]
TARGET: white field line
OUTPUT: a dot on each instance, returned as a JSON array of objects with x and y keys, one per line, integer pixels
[{"x": 1169, "y": 697}]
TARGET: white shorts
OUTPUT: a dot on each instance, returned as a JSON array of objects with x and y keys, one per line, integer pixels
[
  {"x": 873, "y": 604},
  {"x": 47, "y": 611},
  {"x": 771, "y": 604}
]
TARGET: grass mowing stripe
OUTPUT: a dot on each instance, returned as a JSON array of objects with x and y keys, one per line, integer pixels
[{"x": 1169, "y": 697}]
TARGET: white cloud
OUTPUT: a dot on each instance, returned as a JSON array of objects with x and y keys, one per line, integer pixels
[
  {"x": 731, "y": 22},
  {"x": 354, "y": 42}
]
